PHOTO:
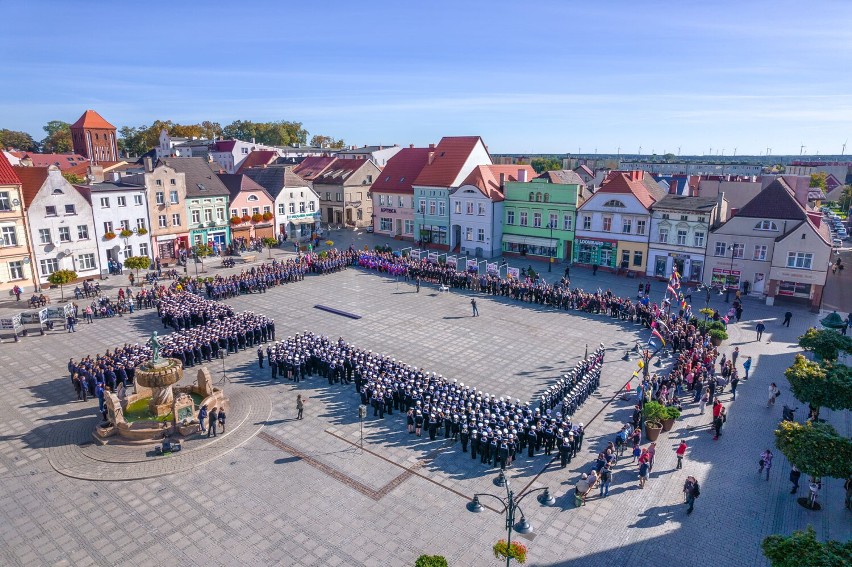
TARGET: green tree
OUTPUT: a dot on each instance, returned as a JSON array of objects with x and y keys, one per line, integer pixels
[
  {"x": 802, "y": 548},
  {"x": 132, "y": 141},
  {"x": 320, "y": 141},
  {"x": 818, "y": 180},
  {"x": 815, "y": 448},
  {"x": 270, "y": 242},
  {"x": 17, "y": 140},
  {"x": 74, "y": 179},
  {"x": 61, "y": 278},
  {"x": 58, "y": 139},
  {"x": 201, "y": 251},
  {"x": 828, "y": 386},
  {"x": 540, "y": 165},
  {"x": 137, "y": 263},
  {"x": 846, "y": 198},
  {"x": 280, "y": 133},
  {"x": 669, "y": 157},
  {"x": 826, "y": 344}
]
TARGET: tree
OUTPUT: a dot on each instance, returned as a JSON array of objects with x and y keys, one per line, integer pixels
[
  {"x": 280, "y": 133},
  {"x": 269, "y": 242},
  {"x": 58, "y": 138},
  {"x": 826, "y": 344},
  {"x": 846, "y": 198},
  {"x": 17, "y": 140},
  {"x": 815, "y": 448},
  {"x": 320, "y": 141},
  {"x": 74, "y": 179},
  {"x": 818, "y": 180},
  {"x": 828, "y": 386},
  {"x": 201, "y": 251},
  {"x": 137, "y": 263},
  {"x": 803, "y": 548},
  {"x": 669, "y": 157},
  {"x": 132, "y": 141},
  {"x": 541, "y": 165},
  {"x": 61, "y": 278}
]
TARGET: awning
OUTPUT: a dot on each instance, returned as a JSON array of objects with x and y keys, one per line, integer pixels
[{"x": 530, "y": 240}]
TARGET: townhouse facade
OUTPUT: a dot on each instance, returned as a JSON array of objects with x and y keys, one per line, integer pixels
[
  {"x": 121, "y": 221},
  {"x": 251, "y": 206},
  {"x": 393, "y": 193},
  {"x": 206, "y": 202},
  {"x": 344, "y": 191},
  {"x": 16, "y": 267},
  {"x": 379, "y": 155},
  {"x": 296, "y": 205}
]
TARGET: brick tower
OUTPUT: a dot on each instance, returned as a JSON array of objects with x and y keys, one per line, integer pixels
[{"x": 94, "y": 137}]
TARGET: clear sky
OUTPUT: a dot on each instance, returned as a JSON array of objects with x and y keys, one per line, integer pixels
[{"x": 547, "y": 76}]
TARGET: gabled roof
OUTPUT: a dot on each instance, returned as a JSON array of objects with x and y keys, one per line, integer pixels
[
  {"x": 275, "y": 178},
  {"x": 238, "y": 182},
  {"x": 62, "y": 161},
  {"x": 585, "y": 169},
  {"x": 636, "y": 183},
  {"x": 562, "y": 177},
  {"x": 92, "y": 119},
  {"x": 224, "y": 145},
  {"x": 32, "y": 180},
  {"x": 703, "y": 205},
  {"x": 201, "y": 178},
  {"x": 7, "y": 174},
  {"x": 258, "y": 157},
  {"x": 450, "y": 155},
  {"x": 401, "y": 171},
  {"x": 310, "y": 167},
  {"x": 340, "y": 170},
  {"x": 776, "y": 201},
  {"x": 487, "y": 178},
  {"x": 362, "y": 150}
]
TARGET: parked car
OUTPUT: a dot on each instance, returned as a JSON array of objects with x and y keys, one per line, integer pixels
[
  {"x": 369, "y": 229},
  {"x": 836, "y": 243}
]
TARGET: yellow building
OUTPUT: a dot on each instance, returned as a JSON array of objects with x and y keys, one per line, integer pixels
[{"x": 15, "y": 250}]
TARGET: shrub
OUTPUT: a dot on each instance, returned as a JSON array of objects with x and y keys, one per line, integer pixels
[
  {"x": 672, "y": 412},
  {"x": 718, "y": 334},
  {"x": 654, "y": 411},
  {"x": 431, "y": 561}
]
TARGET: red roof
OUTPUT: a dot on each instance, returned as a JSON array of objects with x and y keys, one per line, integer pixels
[
  {"x": 7, "y": 174},
  {"x": 401, "y": 171},
  {"x": 487, "y": 178},
  {"x": 92, "y": 119},
  {"x": 258, "y": 157},
  {"x": 630, "y": 182},
  {"x": 32, "y": 180},
  {"x": 62, "y": 161},
  {"x": 311, "y": 167},
  {"x": 339, "y": 170},
  {"x": 224, "y": 146},
  {"x": 449, "y": 157}
]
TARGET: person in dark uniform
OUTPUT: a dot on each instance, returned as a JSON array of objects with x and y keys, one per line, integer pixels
[
  {"x": 260, "y": 357},
  {"x": 464, "y": 436}
]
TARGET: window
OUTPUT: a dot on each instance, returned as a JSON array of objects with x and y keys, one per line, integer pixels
[
  {"x": 720, "y": 249},
  {"x": 524, "y": 218},
  {"x": 137, "y": 199},
  {"x": 469, "y": 208},
  {"x": 327, "y": 196},
  {"x": 637, "y": 258},
  {"x": 235, "y": 212},
  {"x": 607, "y": 224},
  {"x": 625, "y": 258},
  {"x": 16, "y": 270},
  {"x": 457, "y": 207},
  {"x": 681, "y": 237},
  {"x": 538, "y": 197},
  {"x": 665, "y": 216},
  {"x": 122, "y": 201},
  {"x": 409, "y": 227},
  {"x": 244, "y": 212},
  {"x": 800, "y": 260},
  {"x": 140, "y": 223},
  {"x": 245, "y": 151},
  {"x": 280, "y": 209},
  {"x": 86, "y": 262},
  {"x": 301, "y": 206},
  {"x": 640, "y": 227},
  {"x": 48, "y": 266},
  {"x": 50, "y": 211},
  {"x": 468, "y": 234},
  {"x": 143, "y": 248},
  {"x": 614, "y": 203},
  {"x": 64, "y": 234},
  {"x": 176, "y": 219},
  {"x": 663, "y": 235},
  {"x": 338, "y": 197},
  {"x": 442, "y": 208},
  {"x": 44, "y": 236},
  {"x": 104, "y": 202},
  {"x": 196, "y": 216},
  {"x": 567, "y": 222},
  {"x": 684, "y": 217},
  {"x": 69, "y": 210},
  {"x": 480, "y": 235},
  {"x": 422, "y": 208},
  {"x": 310, "y": 206},
  {"x": 382, "y": 201},
  {"x": 510, "y": 217},
  {"x": 8, "y": 236},
  {"x": 254, "y": 211},
  {"x": 587, "y": 222},
  {"x": 431, "y": 207},
  {"x": 159, "y": 182},
  {"x": 553, "y": 221},
  {"x": 208, "y": 214},
  {"x": 532, "y": 196},
  {"x": 400, "y": 200},
  {"x": 385, "y": 224},
  {"x": 128, "y": 251},
  {"x": 5, "y": 203},
  {"x": 252, "y": 198},
  {"x": 173, "y": 197},
  {"x": 737, "y": 252},
  {"x": 627, "y": 226},
  {"x": 698, "y": 240},
  {"x": 291, "y": 208},
  {"x": 172, "y": 182},
  {"x": 547, "y": 197},
  {"x": 161, "y": 221},
  {"x": 161, "y": 200},
  {"x": 766, "y": 225},
  {"x": 481, "y": 209},
  {"x": 537, "y": 220},
  {"x": 759, "y": 252}
]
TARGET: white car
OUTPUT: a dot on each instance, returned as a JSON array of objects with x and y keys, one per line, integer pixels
[
  {"x": 836, "y": 243},
  {"x": 369, "y": 229}
]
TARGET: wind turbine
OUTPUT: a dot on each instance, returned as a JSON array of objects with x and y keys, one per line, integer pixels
[
  {"x": 640, "y": 150},
  {"x": 843, "y": 149},
  {"x": 802, "y": 149},
  {"x": 678, "y": 150},
  {"x": 735, "y": 152}
]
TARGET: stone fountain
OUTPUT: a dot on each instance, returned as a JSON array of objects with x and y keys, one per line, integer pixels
[{"x": 160, "y": 375}]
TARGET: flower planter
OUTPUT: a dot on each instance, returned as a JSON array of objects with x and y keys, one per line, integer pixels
[
  {"x": 668, "y": 424},
  {"x": 715, "y": 341},
  {"x": 652, "y": 430}
]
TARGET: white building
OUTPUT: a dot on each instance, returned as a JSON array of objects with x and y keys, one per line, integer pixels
[
  {"x": 379, "y": 155},
  {"x": 229, "y": 154},
  {"x": 62, "y": 228},
  {"x": 297, "y": 207},
  {"x": 120, "y": 207}
]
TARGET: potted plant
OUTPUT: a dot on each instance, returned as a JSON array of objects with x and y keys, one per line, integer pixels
[
  {"x": 109, "y": 235},
  {"x": 717, "y": 336},
  {"x": 672, "y": 413},
  {"x": 126, "y": 233},
  {"x": 654, "y": 414},
  {"x": 267, "y": 216},
  {"x": 236, "y": 220},
  {"x": 141, "y": 231},
  {"x": 256, "y": 218},
  {"x": 514, "y": 550},
  {"x": 246, "y": 218},
  {"x": 431, "y": 561}
]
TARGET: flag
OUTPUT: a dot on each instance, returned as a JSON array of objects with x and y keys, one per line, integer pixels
[
  {"x": 672, "y": 290},
  {"x": 656, "y": 333},
  {"x": 674, "y": 281},
  {"x": 663, "y": 325}
]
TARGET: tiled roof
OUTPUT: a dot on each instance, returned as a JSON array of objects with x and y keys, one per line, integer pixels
[
  {"x": 92, "y": 119},
  {"x": 684, "y": 203},
  {"x": 237, "y": 182},
  {"x": 563, "y": 177},
  {"x": 310, "y": 167},
  {"x": 32, "y": 180},
  {"x": 361, "y": 150},
  {"x": 487, "y": 178},
  {"x": 450, "y": 155},
  {"x": 339, "y": 171},
  {"x": 62, "y": 161},
  {"x": 634, "y": 183},
  {"x": 776, "y": 201},
  {"x": 258, "y": 157},
  {"x": 401, "y": 171},
  {"x": 7, "y": 174},
  {"x": 224, "y": 146},
  {"x": 201, "y": 179},
  {"x": 585, "y": 169},
  {"x": 275, "y": 178}
]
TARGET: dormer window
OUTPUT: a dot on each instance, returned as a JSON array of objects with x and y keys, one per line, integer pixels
[
  {"x": 766, "y": 225},
  {"x": 254, "y": 197},
  {"x": 614, "y": 203}
]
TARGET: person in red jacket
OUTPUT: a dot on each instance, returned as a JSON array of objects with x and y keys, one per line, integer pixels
[{"x": 680, "y": 452}]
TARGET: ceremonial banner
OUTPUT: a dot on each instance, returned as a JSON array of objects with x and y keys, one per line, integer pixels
[
  {"x": 492, "y": 268},
  {"x": 452, "y": 261},
  {"x": 471, "y": 264},
  {"x": 433, "y": 257},
  {"x": 514, "y": 273}
]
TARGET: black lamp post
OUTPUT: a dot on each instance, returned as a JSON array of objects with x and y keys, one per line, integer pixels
[
  {"x": 552, "y": 249},
  {"x": 511, "y": 505},
  {"x": 733, "y": 249}
]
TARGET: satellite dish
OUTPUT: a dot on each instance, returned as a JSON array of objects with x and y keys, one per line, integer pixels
[
  {"x": 26, "y": 260},
  {"x": 15, "y": 202},
  {"x": 67, "y": 252}
]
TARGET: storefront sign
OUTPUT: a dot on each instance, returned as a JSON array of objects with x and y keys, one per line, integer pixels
[
  {"x": 726, "y": 278},
  {"x": 302, "y": 215},
  {"x": 594, "y": 243},
  {"x": 794, "y": 289},
  {"x": 388, "y": 210}
]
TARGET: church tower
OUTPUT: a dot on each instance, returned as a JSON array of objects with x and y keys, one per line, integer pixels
[{"x": 94, "y": 138}]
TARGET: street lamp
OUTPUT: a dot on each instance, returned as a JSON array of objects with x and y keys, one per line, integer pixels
[
  {"x": 552, "y": 249},
  {"x": 511, "y": 504},
  {"x": 733, "y": 249}
]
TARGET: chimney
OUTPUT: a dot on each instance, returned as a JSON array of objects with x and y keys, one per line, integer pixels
[
  {"x": 149, "y": 165},
  {"x": 503, "y": 180},
  {"x": 114, "y": 176},
  {"x": 522, "y": 176},
  {"x": 431, "y": 146},
  {"x": 252, "y": 141},
  {"x": 411, "y": 146}
]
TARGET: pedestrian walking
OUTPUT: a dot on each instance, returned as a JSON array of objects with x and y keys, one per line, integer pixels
[
  {"x": 221, "y": 419},
  {"x": 475, "y": 309},
  {"x": 705, "y": 397},
  {"x": 747, "y": 366},
  {"x": 680, "y": 452},
  {"x": 692, "y": 491},
  {"x": 594, "y": 269},
  {"x": 300, "y": 406},
  {"x": 787, "y": 317},
  {"x": 606, "y": 478},
  {"x": 774, "y": 392},
  {"x": 760, "y": 328},
  {"x": 718, "y": 421},
  {"x": 765, "y": 462},
  {"x": 212, "y": 417},
  {"x": 202, "y": 419},
  {"x": 71, "y": 323},
  {"x": 652, "y": 452},
  {"x": 795, "y": 475},
  {"x": 734, "y": 356}
]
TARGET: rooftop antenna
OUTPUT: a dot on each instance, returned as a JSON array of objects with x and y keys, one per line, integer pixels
[
  {"x": 678, "y": 150},
  {"x": 735, "y": 151},
  {"x": 768, "y": 151},
  {"x": 640, "y": 150},
  {"x": 843, "y": 149},
  {"x": 802, "y": 149}
]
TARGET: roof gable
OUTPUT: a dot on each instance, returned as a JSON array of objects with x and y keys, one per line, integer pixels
[
  {"x": 238, "y": 182},
  {"x": 448, "y": 159},
  {"x": 92, "y": 119},
  {"x": 7, "y": 174},
  {"x": 776, "y": 201},
  {"x": 635, "y": 183},
  {"x": 276, "y": 178},
  {"x": 32, "y": 180},
  {"x": 258, "y": 157},
  {"x": 311, "y": 167},
  {"x": 340, "y": 170},
  {"x": 401, "y": 171},
  {"x": 487, "y": 178},
  {"x": 201, "y": 179}
]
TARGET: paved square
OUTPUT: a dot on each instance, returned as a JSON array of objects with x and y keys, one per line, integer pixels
[{"x": 280, "y": 491}]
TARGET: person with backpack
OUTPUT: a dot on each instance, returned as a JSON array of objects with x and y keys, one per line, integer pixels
[{"x": 692, "y": 491}]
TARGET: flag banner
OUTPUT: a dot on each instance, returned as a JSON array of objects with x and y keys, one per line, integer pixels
[{"x": 514, "y": 273}]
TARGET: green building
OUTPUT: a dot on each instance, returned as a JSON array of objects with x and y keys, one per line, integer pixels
[
  {"x": 206, "y": 202},
  {"x": 538, "y": 215}
]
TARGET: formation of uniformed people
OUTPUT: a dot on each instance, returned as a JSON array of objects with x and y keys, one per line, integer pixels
[
  {"x": 230, "y": 335},
  {"x": 184, "y": 310}
]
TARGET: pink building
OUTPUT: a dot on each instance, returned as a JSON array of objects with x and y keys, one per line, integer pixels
[
  {"x": 248, "y": 199},
  {"x": 393, "y": 195}
]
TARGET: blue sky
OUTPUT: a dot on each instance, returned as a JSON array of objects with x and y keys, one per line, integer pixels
[{"x": 532, "y": 77}]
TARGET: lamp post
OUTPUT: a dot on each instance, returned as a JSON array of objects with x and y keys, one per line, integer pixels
[
  {"x": 733, "y": 249},
  {"x": 553, "y": 248},
  {"x": 511, "y": 505}
]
